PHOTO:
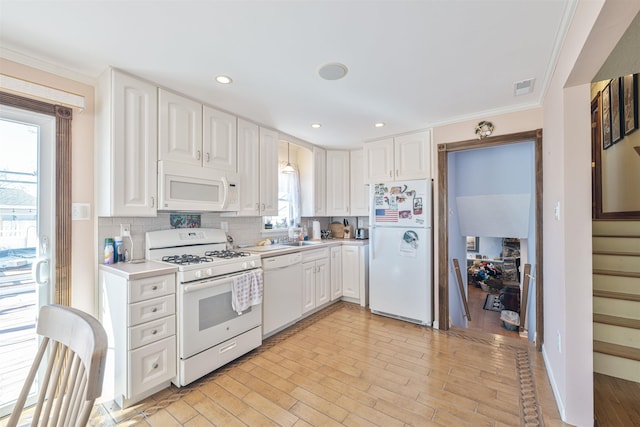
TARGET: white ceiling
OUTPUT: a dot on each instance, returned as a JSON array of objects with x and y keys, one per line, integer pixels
[{"x": 412, "y": 64}]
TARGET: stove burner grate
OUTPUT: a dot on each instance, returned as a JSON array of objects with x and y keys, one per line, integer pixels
[
  {"x": 186, "y": 259},
  {"x": 226, "y": 254}
]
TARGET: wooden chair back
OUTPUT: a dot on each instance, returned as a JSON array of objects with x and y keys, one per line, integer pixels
[{"x": 76, "y": 347}]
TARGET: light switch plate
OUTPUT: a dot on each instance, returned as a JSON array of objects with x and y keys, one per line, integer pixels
[{"x": 80, "y": 211}]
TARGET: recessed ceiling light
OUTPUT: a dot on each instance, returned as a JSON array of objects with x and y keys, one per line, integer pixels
[
  {"x": 379, "y": 124},
  {"x": 333, "y": 71},
  {"x": 225, "y": 80},
  {"x": 316, "y": 125}
]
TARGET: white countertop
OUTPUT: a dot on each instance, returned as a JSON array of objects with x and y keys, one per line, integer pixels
[
  {"x": 139, "y": 269},
  {"x": 279, "y": 249}
]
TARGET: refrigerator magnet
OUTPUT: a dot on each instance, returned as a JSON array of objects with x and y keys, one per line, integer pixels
[
  {"x": 409, "y": 244},
  {"x": 417, "y": 206}
]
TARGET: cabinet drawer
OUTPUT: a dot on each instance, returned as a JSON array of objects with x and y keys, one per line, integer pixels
[
  {"x": 151, "y": 287},
  {"x": 152, "y": 365},
  {"x": 153, "y": 309},
  {"x": 315, "y": 254},
  {"x": 151, "y": 332}
]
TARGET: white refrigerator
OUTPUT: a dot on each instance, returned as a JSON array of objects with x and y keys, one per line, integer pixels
[{"x": 400, "y": 261}]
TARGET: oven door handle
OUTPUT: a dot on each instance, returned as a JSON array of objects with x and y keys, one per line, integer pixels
[{"x": 194, "y": 287}]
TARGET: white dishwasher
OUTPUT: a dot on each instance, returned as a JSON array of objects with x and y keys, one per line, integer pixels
[{"x": 282, "y": 299}]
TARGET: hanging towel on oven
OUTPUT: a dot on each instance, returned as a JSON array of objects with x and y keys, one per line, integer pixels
[{"x": 247, "y": 290}]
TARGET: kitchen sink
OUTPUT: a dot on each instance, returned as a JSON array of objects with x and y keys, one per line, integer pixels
[{"x": 303, "y": 243}]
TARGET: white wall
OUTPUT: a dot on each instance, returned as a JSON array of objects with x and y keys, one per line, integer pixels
[{"x": 567, "y": 179}]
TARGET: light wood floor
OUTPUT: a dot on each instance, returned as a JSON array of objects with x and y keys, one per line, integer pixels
[
  {"x": 345, "y": 366},
  {"x": 485, "y": 320}
]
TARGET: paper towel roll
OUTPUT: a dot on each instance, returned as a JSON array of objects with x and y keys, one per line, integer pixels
[{"x": 315, "y": 234}]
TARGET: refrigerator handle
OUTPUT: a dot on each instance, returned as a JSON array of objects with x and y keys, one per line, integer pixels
[{"x": 372, "y": 253}]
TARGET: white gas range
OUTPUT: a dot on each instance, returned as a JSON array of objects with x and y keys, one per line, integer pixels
[{"x": 210, "y": 332}]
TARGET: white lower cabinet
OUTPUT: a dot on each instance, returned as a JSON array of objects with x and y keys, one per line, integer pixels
[
  {"x": 139, "y": 318},
  {"x": 315, "y": 279},
  {"x": 151, "y": 365},
  {"x": 336, "y": 272},
  {"x": 355, "y": 274}
]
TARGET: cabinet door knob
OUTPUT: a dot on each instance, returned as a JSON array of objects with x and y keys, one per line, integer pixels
[
  {"x": 154, "y": 288},
  {"x": 390, "y": 174},
  {"x": 208, "y": 157},
  {"x": 155, "y": 366},
  {"x": 154, "y": 309},
  {"x": 155, "y": 331},
  {"x": 153, "y": 201},
  {"x": 198, "y": 155}
]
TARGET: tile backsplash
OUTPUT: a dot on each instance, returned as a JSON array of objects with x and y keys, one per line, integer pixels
[{"x": 244, "y": 230}]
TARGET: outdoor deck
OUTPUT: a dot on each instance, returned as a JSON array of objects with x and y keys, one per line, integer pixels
[{"x": 17, "y": 332}]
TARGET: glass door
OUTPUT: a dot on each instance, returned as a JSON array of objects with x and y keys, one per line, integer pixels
[{"x": 27, "y": 224}]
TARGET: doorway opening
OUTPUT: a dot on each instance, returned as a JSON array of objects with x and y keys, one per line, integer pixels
[{"x": 445, "y": 206}]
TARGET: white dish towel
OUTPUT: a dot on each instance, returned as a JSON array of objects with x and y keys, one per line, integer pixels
[{"x": 247, "y": 290}]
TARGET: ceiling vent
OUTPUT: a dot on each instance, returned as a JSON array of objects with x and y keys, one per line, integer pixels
[{"x": 523, "y": 87}]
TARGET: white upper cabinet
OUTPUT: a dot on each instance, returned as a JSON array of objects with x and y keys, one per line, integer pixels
[
  {"x": 258, "y": 169},
  {"x": 180, "y": 128},
  {"x": 219, "y": 140},
  {"x": 249, "y": 168},
  {"x": 413, "y": 156},
  {"x": 397, "y": 159},
  {"x": 378, "y": 159},
  {"x": 268, "y": 172},
  {"x": 126, "y": 146},
  {"x": 338, "y": 183},
  {"x": 320, "y": 181},
  {"x": 359, "y": 194},
  {"x": 196, "y": 134},
  {"x": 313, "y": 181}
]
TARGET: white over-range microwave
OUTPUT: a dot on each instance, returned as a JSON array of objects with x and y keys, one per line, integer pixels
[{"x": 184, "y": 187}]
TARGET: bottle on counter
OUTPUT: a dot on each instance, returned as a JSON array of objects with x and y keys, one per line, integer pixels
[
  {"x": 108, "y": 250},
  {"x": 118, "y": 252}
]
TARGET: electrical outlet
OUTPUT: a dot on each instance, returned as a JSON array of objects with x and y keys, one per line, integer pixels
[
  {"x": 559, "y": 342},
  {"x": 125, "y": 230}
]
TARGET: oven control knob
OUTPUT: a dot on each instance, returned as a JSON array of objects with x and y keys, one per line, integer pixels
[
  {"x": 198, "y": 274},
  {"x": 209, "y": 272},
  {"x": 244, "y": 265}
]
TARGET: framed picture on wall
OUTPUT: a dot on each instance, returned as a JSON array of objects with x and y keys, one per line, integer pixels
[
  {"x": 616, "y": 123},
  {"x": 473, "y": 244},
  {"x": 606, "y": 118},
  {"x": 630, "y": 103}
]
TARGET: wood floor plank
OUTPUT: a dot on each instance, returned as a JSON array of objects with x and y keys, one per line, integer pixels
[
  {"x": 274, "y": 412},
  {"x": 182, "y": 411},
  {"x": 198, "y": 421},
  {"x": 312, "y": 416}
]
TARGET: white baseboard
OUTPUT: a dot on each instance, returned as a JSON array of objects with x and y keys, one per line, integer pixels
[{"x": 554, "y": 386}]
